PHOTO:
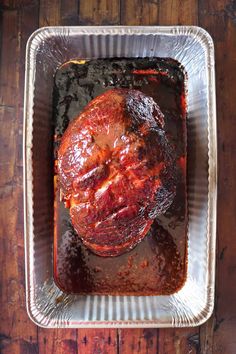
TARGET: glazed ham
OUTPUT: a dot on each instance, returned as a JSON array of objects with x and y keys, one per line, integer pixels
[{"x": 116, "y": 170}]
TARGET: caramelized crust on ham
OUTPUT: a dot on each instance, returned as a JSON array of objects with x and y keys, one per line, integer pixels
[{"x": 116, "y": 170}]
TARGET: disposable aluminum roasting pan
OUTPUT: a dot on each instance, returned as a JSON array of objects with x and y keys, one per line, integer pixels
[{"x": 49, "y": 47}]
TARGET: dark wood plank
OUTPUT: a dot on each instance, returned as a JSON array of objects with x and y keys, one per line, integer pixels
[
  {"x": 139, "y": 12},
  {"x": 179, "y": 340},
  {"x": 178, "y": 12},
  {"x": 9, "y": 49},
  {"x": 132, "y": 341},
  {"x": 49, "y": 13},
  {"x": 99, "y": 12},
  {"x": 206, "y": 336},
  {"x": 69, "y": 13},
  {"x": 219, "y": 18},
  {"x": 97, "y": 341},
  {"x": 57, "y": 341},
  {"x": 17, "y": 333}
]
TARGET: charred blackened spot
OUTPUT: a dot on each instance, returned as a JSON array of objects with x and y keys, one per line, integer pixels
[
  {"x": 65, "y": 121},
  {"x": 150, "y": 163},
  {"x": 66, "y": 100},
  {"x": 116, "y": 66},
  {"x": 141, "y": 153}
]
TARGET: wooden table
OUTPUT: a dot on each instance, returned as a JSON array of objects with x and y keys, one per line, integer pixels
[{"x": 18, "y": 20}]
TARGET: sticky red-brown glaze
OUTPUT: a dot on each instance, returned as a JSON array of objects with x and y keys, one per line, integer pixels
[
  {"x": 149, "y": 72},
  {"x": 116, "y": 170}
]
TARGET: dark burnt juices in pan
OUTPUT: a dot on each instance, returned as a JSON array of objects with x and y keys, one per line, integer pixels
[{"x": 157, "y": 265}]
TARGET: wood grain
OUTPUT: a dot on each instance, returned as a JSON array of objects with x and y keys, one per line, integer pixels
[
  {"x": 178, "y": 12},
  {"x": 139, "y": 12},
  {"x": 97, "y": 341},
  {"x": 219, "y": 18},
  {"x": 49, "y": 13},
  {"x": 99, "y": 12},
  {"x": 58, "y": 341},
  {"x": 69, "y": 12},
  {"x": 132, "y": 341},
  {"x": 180, "y": 340}
]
